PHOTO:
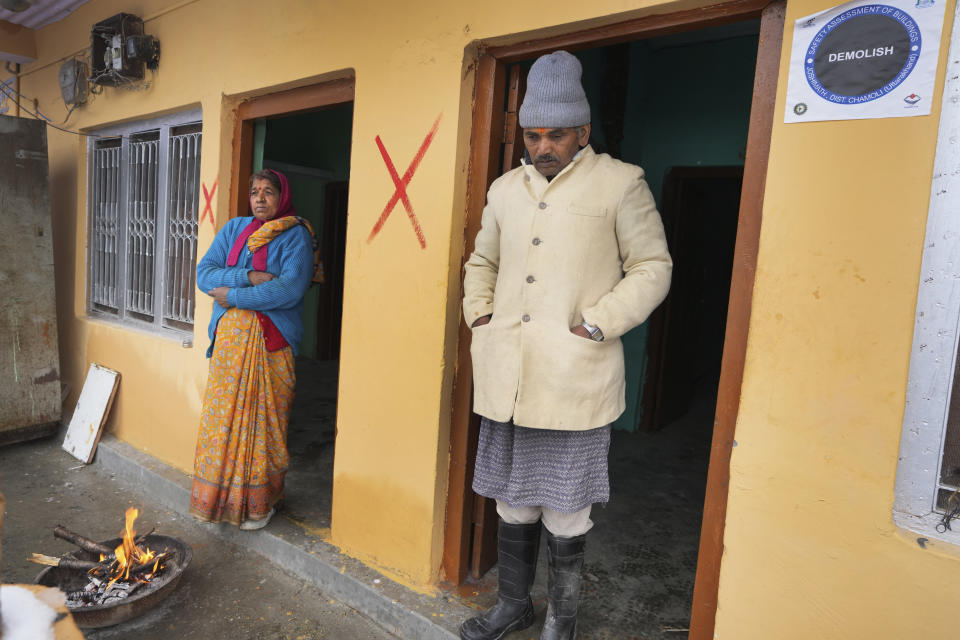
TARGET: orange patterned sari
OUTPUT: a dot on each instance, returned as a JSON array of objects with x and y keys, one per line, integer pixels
[{"x": 242, "y": 454}]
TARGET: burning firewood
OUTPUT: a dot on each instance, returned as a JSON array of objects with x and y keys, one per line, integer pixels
[
  {"x": 91, "y": 545},
  {"x": 99, "y": 591},
  {"x": 63, "y": 563},
  {"x": 119, "y": 572},
  {"x": 84, "y": 543}
]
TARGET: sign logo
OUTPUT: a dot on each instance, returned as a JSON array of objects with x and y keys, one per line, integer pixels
[
  {"x": 912, "y": 99},
  {"x": 862, "y": 54}
]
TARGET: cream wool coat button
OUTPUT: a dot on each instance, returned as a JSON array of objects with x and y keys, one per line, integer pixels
[
  {"x": 526, "y": 317},
  {"x": 536, "y": 241},
  {"x": 543, "y": 205},
  {"x": 530, "y": 279}
]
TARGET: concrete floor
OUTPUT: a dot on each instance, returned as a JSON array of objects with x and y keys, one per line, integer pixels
[
  {"x": 641, "y": 554},
  {"x": 310, "y": 436},
  {"x": 226, "y": 592},
  {"x": 638, "y": 576}
]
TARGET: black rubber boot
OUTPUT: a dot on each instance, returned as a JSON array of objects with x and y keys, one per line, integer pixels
[
  {"x": 517, "y": 548},
  {"x": 563, "y": 586}
]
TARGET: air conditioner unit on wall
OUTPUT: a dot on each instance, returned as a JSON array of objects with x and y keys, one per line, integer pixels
[{"x": 120, "y": 50}]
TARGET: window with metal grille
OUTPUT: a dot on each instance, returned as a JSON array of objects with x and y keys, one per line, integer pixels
[{"x": 143, "y": 196}]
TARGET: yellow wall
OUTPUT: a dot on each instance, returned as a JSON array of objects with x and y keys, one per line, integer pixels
[{"x": 810, "y": 548}]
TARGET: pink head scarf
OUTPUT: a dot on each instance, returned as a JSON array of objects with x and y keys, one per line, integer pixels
[{"x": 284, "y": 208}]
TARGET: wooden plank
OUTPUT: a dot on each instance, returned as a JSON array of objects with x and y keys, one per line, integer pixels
[
  {"x": 483, "y": 551},
  {"x": 512, "y": 133},
  {"x": 642, "y": 27},
  {"x": 29, "y": 357},
  {"x": 242, "y": 167},
  {"x": 93, "y": 407},
  {"x": 704, "y": 610},
  {"x": 484, "y": 161},
  {"x": 298, "y": 100}
]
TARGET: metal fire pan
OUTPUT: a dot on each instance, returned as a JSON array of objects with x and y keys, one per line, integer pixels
[{"x": 142, "y": 600}]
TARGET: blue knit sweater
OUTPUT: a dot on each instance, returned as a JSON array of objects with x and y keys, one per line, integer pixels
[{"x": 289, "y": 259}]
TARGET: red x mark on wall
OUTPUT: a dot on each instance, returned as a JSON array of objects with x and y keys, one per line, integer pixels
[
  {"x": 400, "y": 193},
  {"x": 209, "y": 198}
]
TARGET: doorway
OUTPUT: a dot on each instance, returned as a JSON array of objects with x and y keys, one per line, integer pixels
[
  {"x": 306, "y": 135},
  {"x": 689, "y": 97}
]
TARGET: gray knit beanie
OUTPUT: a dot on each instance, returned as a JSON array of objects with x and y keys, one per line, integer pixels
[{"x": 555, "y": 97}]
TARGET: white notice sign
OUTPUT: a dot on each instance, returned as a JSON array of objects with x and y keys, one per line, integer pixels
[{"x": 865, "y": 60}]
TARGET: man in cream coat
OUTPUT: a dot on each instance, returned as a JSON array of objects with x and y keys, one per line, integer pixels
[{"x": 571, "y": 255}]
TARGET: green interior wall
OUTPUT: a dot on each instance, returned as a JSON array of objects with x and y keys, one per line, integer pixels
[
  {"x": 687, "y": 104},
  {"x": 318, "y": 142}
]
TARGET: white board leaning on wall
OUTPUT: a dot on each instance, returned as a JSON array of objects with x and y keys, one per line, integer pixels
[{"x": 91, "y": 413}]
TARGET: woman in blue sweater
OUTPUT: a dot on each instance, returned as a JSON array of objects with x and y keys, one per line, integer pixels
[{"x": 257, "y": 271}]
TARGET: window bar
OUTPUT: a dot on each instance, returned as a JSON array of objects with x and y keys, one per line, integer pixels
[
  {"x": 172, "y": 190},
  {"x": 95, "y": 239},
  {"x": 191, "y": 213},
  {"x": 185, "y": 166},
  {"x": 105, "y": 214},
  {"x": 133, "y": 178},
  {"x": 183, "y": 236},
  {"x": 103, "y": 157},
  {"x": 190, "y": 217},
  {"x": 176, "y": 244},
  {"x": 182, "y": 227},
  {"x": 151, "y": 227},
  {"x": 146, "y": 284},
  {"x": 112, "y": 225},
  {"x": 143, "y": 187},
  {"x": 140, "y": 221},
  {"x": 141, "y": 227},
  {"x": 99, "y": 227},
  {"x": 176, "y": 154},
  {"x": 141, "y": 262},
  {"x": 102, "y": 225}
]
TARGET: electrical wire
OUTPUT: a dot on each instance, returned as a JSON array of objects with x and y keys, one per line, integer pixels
[
  {"x": 9, "y": 91},
  {"x": 944, "y": 525},
  {"x": 68, "y": 114}
]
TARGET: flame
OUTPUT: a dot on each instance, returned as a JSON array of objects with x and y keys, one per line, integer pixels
[{"x": 130, "y": 556}]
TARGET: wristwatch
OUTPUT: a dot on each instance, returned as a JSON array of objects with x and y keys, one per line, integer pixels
[{"x": 593, "y": 330}]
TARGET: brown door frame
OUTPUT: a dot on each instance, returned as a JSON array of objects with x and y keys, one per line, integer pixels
[
  {"x": 286, "y": 102},
  {"x": 485, "y": 141}
]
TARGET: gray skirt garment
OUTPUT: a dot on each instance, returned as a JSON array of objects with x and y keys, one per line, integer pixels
[{"x": 563, "y": 470}]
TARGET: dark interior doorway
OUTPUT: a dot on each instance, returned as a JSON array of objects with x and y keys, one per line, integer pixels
[
  {"x": 310, "y": 144},
  {"x": 700, "y": 206},
  {"x": 679, "y": 106}
]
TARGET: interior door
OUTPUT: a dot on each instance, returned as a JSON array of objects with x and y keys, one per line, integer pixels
[
  {"x": 333, "y": 249},
  {"x": 700, "y": 213},
  {"x": 30, "y": 361},
  {"x": 483, "y": 551}
]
